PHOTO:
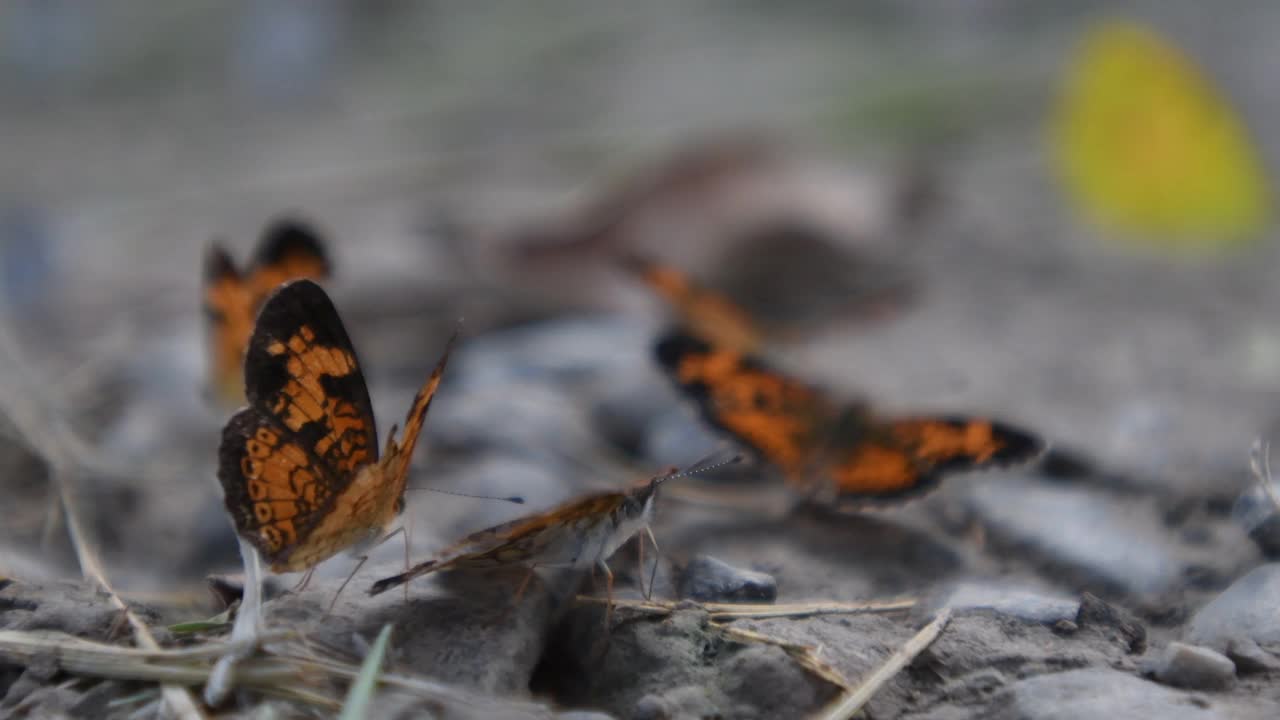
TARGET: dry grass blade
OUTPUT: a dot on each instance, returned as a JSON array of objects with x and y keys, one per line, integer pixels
[
  {"x": 804, "y": 655},
  {"x": 52, "y": 437},
  {"x": 847, "y": 705},
  {"x": 736, "y": 611},
  {"x": 284, "y": 675}
]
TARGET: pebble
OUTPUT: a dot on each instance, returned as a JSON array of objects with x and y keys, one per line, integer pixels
[
  {"x": 1094, "y": 693},
  {"x": 1243, "y": 620},
  {"x": 1191, "y": 666},
  {"x": 1016, "y": 602},
  {"x": 707, "y": 579}
]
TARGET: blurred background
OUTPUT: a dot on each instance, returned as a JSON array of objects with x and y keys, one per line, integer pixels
[{"x": 883, "y": 193}]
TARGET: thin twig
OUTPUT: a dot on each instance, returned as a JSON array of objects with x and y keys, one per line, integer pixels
[
  {"x": 735, "y": 611},
  {"x": 847, "y": 705}
]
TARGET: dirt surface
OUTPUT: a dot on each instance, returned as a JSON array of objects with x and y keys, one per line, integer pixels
[{"x": 913, "y": 251}]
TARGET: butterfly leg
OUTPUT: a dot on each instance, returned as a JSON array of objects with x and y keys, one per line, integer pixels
[
  {"x": 364, "y": 558},
  {"x": 305, "y": 581},
  {"x": 343, "y": 586},
  {"x": 406, "y": 527},
  {"x": 657, "y": 555},
  {"x": 608, "y": 591}
]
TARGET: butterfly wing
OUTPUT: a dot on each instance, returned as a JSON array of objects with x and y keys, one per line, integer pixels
[
  {"x": 286, "y": 459},
  {"x": 289, "y": 250},
  {"x": 707, "y": 314},
  {"x": 543, "y": 538},
  {"x": 228, "y": 310},
  {"x": 779, "y": 418},
  {"x": 1147, "y": 145},
  {"x": 873, "y": 462},
  {"x": 399, "y": 454}
]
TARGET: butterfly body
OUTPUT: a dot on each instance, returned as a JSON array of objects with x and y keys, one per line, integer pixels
[
  {"x": 581, "y": 533},
  {"x": 299, "y": 465},
  {"x": 840, "y": 454}
]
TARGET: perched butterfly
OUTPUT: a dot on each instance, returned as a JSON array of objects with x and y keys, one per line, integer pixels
[
  {"x": 299, "y": 466},
  {"x": 581, "y": 533},
  {"x": 843, "y": 455},
  {"x": 1147, "y": 145},
  {"x": 289, "y": 250},
  {"x": 706, "y": 313}
]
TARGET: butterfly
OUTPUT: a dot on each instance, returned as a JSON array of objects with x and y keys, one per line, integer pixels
[
  {"x": 1145, "y": 144},
  {"x": 581, "y": 533},
  {"x": 708, "y": 314},
  {"x": 299, "y": 466},
  {"x": 289, "y": 250},
  {"x": 844, "y": 455}
]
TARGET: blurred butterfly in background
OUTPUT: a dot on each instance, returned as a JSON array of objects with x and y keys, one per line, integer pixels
[
  {"x": 708, "y": 314},
  {"x": 842, "y": 455},
  {"x": 1146, "y": 146},
  {"x": 289, "y": 250}
]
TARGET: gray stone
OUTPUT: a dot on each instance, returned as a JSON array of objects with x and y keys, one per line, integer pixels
[
  {"x": 1243, "y": 622},
  {"x": 707, "y": 579},
  {"x": 459, "y": 628},
  {"x": 1013, "y": 601},
  {"x": 1257, "y": 514},
  {"x": 1120, "y": 545},
  {"x": 1095, "y": 693},
  {"x": 1191, "y": 666}
]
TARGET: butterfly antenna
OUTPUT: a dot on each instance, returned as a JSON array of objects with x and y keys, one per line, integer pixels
[
  {"x": 711, "y": 462},
  {"x": 515, "y": 499}
]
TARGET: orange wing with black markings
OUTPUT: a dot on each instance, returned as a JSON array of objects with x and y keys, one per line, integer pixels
[
  {"x": 706, "y": 313},
  {"x": 289, "y": 250},
  {"x": 299, "y": 466},
  {"x": 872, "y": 461},
  {"x": 846, "y": 456},
  {"x": 781, "y": 419}
]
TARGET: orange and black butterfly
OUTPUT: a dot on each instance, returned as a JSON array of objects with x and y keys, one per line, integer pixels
[
  {"x": 705, "y": 312},
  {"x": 844, "y": 455},
  {"x": 299, "y": 466},
  {"x": 289, "y": 250}
]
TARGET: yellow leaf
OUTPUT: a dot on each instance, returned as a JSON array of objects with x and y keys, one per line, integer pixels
[{"x": 1146, "y": 146}]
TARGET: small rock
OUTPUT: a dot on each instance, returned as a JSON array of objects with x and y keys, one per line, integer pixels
[
  {"x": 1093, "y": 693},
  {"x": 689, "y": 701},
  {"x": 1015, "y": 602},
  {"x": 1256, "y": 513},
  {"x": 460, "y": 627},
  {"x": 1191, "y": 666},
  {"x": 1121, "y": 545},
  {"x": 710, "y": 580},
  {"x": 584, "y": 715},
  {"x": 1065, "y": 627},
  {"x": 1242, "y": 622},
  {"x": 1094, "y": 612}
]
